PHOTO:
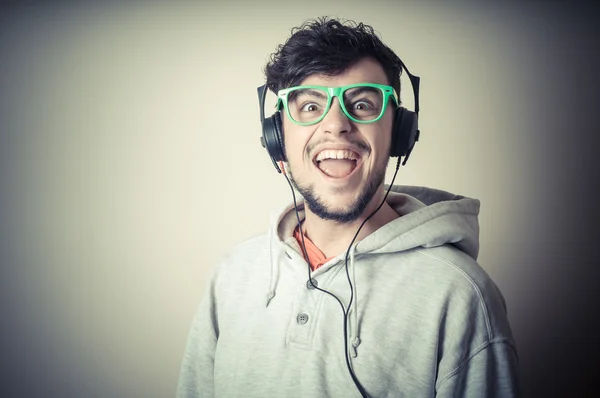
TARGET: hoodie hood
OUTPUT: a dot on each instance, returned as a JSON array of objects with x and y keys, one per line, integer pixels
[{"x": 428, "y": 218}]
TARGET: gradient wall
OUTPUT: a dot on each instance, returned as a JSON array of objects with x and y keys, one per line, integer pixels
[{"x": 130, "y": 162}]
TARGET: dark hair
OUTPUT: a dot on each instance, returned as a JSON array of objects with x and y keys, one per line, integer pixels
[{"x": 328, "y": 46}]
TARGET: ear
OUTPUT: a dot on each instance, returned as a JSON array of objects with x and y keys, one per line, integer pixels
[{"x": 282, "y": 167}]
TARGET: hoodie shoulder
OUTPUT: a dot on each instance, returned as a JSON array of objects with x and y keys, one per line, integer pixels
[
  {"x": 245, "y": 251},
  {"x": 469, "y": 282}
]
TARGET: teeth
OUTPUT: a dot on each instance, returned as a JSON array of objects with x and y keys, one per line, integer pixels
[{"x": 336, "y": 154}]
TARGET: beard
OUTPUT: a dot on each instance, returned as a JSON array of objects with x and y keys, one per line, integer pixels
[{"x": 354, "y": 210}]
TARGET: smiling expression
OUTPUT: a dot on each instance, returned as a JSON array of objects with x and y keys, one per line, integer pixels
[{"x": 339, "y": 165}]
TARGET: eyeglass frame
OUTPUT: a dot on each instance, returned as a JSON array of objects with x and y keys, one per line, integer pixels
[{"x": 333, "y": 92}]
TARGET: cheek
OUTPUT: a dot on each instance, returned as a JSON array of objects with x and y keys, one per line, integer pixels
[
  {"x": 385, "y": 134},
  {"x": 293, "y": 140},
  {"x": 381, "y": 140},
  {"x": 286, "y": 135},
  {"x": 296, "y": 136}
]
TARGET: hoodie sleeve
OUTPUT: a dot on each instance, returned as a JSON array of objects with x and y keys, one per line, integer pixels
[
  {"x": 197, "y": 368},
  {"x": 490, "y": 371}
]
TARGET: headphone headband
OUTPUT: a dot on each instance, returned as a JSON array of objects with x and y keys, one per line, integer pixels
[
  {"x": 415, "y": 82},
  {"x": 262, "y": 95}
]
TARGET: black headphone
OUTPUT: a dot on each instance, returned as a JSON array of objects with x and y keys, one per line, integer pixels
[{"x": 405, "y": 130}]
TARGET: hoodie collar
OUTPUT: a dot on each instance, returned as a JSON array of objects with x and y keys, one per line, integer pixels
[{"x": 428, "y": 218}]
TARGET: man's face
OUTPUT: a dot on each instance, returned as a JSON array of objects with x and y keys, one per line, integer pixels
[{"x": 340, "y": 189}]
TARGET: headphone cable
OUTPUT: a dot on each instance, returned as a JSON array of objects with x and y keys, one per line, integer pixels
[{"x": 345, "y": 310}]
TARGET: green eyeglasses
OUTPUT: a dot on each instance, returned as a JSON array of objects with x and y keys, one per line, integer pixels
[{"x": 361, "y": 103}]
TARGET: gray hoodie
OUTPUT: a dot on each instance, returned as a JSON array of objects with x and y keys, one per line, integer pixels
[{"x": 426, "y": 320}]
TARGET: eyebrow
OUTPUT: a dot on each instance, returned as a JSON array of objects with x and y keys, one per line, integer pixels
[
  {"x": 353, "y": 92},
  {"x": 305, "y": 91}
]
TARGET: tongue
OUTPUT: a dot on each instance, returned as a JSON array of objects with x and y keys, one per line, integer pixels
[{"x": 337, "y": 168}]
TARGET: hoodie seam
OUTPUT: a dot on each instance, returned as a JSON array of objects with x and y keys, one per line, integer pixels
[
  {"x": 487, "y": 344},
  {"x": 473, "y": 284}
]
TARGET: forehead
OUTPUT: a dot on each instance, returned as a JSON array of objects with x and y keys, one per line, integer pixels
[{"x": 366, "y": 70}]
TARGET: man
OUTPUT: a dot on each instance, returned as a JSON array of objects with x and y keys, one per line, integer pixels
[{"x": 355, "y": 291}]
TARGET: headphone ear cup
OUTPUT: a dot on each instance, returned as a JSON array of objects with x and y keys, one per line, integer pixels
[
  {"x": 272, "y": 138},
  {"x": 279, "y": 135},
  {"x": 404, "y": 132}
]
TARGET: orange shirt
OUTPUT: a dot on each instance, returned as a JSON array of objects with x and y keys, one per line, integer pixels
[{"x": 316, "y": 258}]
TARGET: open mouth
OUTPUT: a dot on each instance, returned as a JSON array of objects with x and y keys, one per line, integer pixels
[{"x": 337, "y": 163}]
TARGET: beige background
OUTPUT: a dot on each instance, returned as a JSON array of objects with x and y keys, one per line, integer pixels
[{"x": 131, "y": 162}]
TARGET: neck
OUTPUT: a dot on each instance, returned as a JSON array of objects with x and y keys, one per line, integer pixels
[{"x": 333, "y": 238}]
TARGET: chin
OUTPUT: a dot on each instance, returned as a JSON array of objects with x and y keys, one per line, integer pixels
[
  {"x": 340, "y": 202},
  {"x": 344, "y": 202},
  {"x": 342, "y": 210}
]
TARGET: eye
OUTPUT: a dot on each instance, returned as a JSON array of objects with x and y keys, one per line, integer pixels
[
  {"x": 310, "y": 107},
  {"x": 362, "y": 105}
]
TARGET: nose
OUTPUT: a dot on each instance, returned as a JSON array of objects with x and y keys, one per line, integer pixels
[{"x": 335, "y": 121}]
